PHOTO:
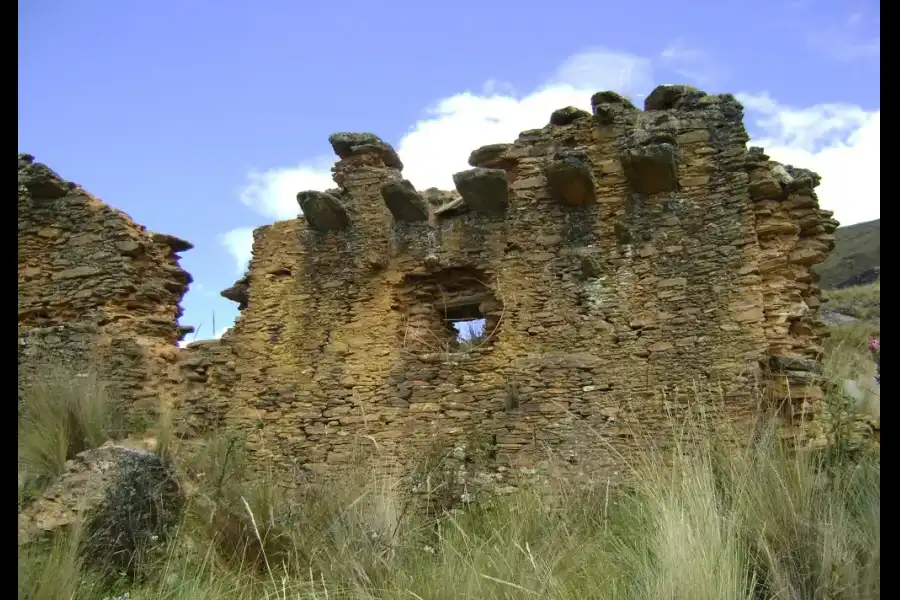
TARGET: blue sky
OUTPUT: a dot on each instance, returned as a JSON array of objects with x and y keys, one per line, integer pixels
[{"x": 204, "y": 119}]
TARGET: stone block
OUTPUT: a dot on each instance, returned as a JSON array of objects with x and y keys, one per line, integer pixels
[
  {"x": 404, "y": 201},
  {"x": 322, "y": 211},
  {"x": 651, "y": 169},
  {"x": 484, "y": 191},
  {"x": 569, "y": 179}
]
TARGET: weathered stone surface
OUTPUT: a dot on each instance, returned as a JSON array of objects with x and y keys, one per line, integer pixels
[
  {"x": 40, "y": 181},
  {"x": 404, "y": 201},
  {"x": 489, "y": 156},
  {"x": 95, "y": 289},
  {"x": 239, "y": 292},
  {"x": 568, "y": 115},
  {"x": 667, "y": 97},
  {"x": 609, "y": 106},
  {"x": 483, "y": 190},
  {"x": 569, "y": 178},
  {"x": 598, "y": 315},
  {"x": 323, "y": 211},
  {"x": 651, "y": 169},
  {"x": 349, "y": 145}
]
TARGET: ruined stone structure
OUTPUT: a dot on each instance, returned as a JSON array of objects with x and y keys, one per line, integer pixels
[
  {"x": 95, "y": 288},
  {"x": 626, "y": 263}
]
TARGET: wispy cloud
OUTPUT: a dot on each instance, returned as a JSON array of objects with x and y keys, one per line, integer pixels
[
  {"x": 856, "y": 37},
  {"x": 239, "y": 242}
]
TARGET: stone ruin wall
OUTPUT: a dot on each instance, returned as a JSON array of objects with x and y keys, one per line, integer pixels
[
  {"x": 95, "y": 289},
  {"x": 627, "y": 262}
]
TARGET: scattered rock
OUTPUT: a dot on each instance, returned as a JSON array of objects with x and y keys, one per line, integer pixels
[
  {"x": 488, "y": 156},
  {"x": 780, "y": 363},
  {"x": 348, "y": 145},
  {"x": 568, "y": 115},
  {"x": 668, "y": 97},
  {"x": 239, "y": 292}
]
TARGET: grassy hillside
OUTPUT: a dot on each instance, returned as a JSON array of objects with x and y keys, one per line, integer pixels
[{"x": 857, "y": 249}]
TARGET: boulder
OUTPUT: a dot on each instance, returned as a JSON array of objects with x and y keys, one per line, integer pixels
[{"x": 129, "y": 500}]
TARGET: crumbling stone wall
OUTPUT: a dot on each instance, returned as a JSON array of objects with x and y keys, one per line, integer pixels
[
  {"x": 95, "y": 289},
  {"x": 625, "y": 262},
  {"x": 629, "y": 265}
]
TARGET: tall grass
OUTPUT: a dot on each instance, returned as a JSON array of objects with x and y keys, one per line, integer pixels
[
  {"x": 60, "y": 415},
  {"x": 760, "y": 521},
  {"x": 763, "y": 522}
]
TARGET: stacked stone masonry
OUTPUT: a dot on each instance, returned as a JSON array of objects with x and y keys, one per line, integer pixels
[
  {"x": 95, "y": 289},
  {"x": 628, "y": 265}
]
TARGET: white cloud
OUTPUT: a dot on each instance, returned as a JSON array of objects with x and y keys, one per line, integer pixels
[
  {"x": 840, "y": 142},
  {"x": 273, "y": 193},
  {"x": 439, "y": 144},
  {"x": 239, "y": 243}
]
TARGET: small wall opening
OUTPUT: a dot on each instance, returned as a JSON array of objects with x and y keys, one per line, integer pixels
[
  {"x": 470, "y": 331},
  {"x": 451, "y": 310}
]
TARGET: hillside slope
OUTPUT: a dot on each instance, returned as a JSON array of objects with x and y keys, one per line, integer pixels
[{"x": 856, "y": 257}]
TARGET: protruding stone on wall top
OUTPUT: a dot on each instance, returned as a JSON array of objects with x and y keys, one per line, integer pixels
[
  {"x": 568, "y": 115},
  {"x": 651, "y": 169},
  {"x": 323, "y": 211},
  {"x": 347, "y": 145},
  {"x": 488, "y": 156},
  {"x": 610, "y": 97},
  {"x": 569, "y": 179},
  {"x": 404, "y": 201},
  {"x": 607, "y": 105},
  {"x": 175, "y": 244},
  {"x": 239, "y": 292},
  {"x": 40, "y": 180},
  {"x": 669, "y": 96},
  {"x": 484, "y": 191}
]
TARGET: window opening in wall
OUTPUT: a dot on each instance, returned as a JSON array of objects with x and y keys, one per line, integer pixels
[
  {"x": 450, "y": 310},
  {"x": 464, "y": 316},
  {"x": 470, "y": 332}
]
